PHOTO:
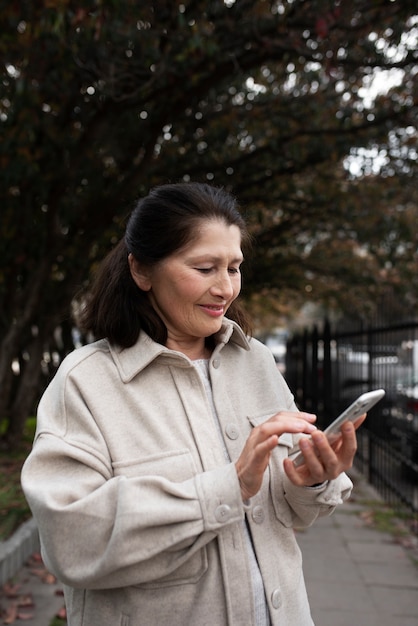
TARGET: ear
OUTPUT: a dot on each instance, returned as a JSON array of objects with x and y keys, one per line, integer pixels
[{"x": 140, "y": 274}]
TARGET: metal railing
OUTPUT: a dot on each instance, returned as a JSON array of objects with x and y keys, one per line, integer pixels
[{"x": 328, "y": 368}]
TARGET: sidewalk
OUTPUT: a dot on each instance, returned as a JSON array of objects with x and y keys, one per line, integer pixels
[
  {"x": 356, "y": 574},
  {"x": 33, "y": 597}
]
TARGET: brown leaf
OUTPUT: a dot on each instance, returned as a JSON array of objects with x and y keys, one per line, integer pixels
[
  {"x": 10, "y": 590},
  {"x": 36, "y": 571},
  {"x": 367, "y": 517},
  {"x": 26, "y": 600},
  {"x": 25, "y": 616},
  {"x": 48, "y": 578},
  {"x": 11, "y": 613},
  {"x": 36, "y": 558}
]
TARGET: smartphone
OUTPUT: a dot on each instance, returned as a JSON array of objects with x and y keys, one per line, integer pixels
[{"x": 360, "y": 406}]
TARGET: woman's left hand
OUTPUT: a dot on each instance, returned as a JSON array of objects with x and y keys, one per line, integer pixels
[{"x": 322, "y": 461}]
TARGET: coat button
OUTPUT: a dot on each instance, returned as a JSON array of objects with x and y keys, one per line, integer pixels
[
  {"x": 222, "y": 513},
  {"x": 232, "y": 431},
  {"x": 276, "y": 598},
  {"x": 258, "y": 514},
  {"x": 216, "y": 362}
]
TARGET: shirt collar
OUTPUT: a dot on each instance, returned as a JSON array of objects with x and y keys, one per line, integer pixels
[{"x": 131, "y": 361}]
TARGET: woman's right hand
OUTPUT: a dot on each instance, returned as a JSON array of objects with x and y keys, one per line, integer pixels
[{"x": 255, "y": 456}]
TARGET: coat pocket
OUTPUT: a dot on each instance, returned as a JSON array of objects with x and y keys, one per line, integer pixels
[{"x": 176, "y": 466}]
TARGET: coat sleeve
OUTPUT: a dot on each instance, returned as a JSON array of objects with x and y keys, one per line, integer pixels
[
  {"x": 309, "y": 503},
  {"x": 99, "y": 530}
]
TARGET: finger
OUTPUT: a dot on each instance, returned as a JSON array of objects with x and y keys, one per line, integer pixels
[
  {"x": 349, "y": 444},
  {"x": 325, "y": 456},
  {"x": 287, "y": 423},
  {"x": 336, "y": 438},
  {"x": 263, "y": 448},
  {"x": 335, "y": 458},
  {"x": 297, "y": 475},
  {"x": 358, "y": 422},
  {"x": 308, "y": 417},
  {"x": 311, "y": 472},
  {"x": 323, "y": 460}
]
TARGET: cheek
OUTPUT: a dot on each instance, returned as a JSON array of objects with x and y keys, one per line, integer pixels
[{"x": 237, "y": 286}]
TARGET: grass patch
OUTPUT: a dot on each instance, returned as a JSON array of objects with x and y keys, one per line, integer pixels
[
  {"x": 14, "y": 509},
  {"x": 387, "y": 520},
  {"x": 57, "y": 621},
  {"x": 401, "y": 525}
]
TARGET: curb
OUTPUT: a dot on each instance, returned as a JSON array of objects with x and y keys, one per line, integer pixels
[{"x": 15, "y": 551}]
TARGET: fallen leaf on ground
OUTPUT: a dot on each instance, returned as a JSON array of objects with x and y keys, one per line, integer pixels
[
  {"x": 49, "y": 578},
  {"x": 11, "y": 614},
  {"x": 10, "y": 590},
  {"x": 26, "y": 600},
  {"x": 25, "y": 616},
  {"x": 36, "y": 558},
  {"x": 43, "y": 574}
]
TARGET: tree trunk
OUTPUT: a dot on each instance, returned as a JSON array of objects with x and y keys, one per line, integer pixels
[
  {"x": 8, "y": 351},
  {"x": 26, "y": 394},
  {"x": 18, "y": 338}
]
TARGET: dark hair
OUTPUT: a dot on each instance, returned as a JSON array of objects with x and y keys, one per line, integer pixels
[{"x": 162, "y": 223}]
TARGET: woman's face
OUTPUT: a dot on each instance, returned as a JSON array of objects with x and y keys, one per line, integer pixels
[{"x": 192, "y": 289}]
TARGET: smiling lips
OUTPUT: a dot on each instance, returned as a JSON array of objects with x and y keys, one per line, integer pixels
[{"x": 215, "y": 310}]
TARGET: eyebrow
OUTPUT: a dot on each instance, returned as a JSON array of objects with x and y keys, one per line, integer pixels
[{"x": 214, "y": 258}]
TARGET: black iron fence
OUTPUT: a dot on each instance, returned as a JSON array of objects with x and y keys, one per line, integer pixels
[{"x": 328, "y": 368}]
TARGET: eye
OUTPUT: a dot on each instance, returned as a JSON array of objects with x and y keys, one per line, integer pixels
[
  {"x": 234, "y": 270},
  {"x": 203, "y": 270}
]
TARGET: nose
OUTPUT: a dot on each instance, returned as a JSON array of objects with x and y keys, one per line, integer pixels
[{"x": 223, "y": 286}]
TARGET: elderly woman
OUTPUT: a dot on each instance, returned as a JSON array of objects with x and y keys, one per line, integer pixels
[{"x": 160, "y": 475}]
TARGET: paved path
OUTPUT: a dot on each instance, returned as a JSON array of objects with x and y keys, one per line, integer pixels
[
  {"x": 355, "y": 574},
  {"x": 33, "y": 597}
]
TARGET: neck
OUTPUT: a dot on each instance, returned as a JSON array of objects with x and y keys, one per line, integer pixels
[{"x": 194, "y": 351}]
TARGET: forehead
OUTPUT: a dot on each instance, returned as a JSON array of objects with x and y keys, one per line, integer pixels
[
  {"x": 208, "y": 228},
  {"x": 214, "y": 234}
]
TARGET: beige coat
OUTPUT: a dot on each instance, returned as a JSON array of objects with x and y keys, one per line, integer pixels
[{"x": 140, "y": 515}]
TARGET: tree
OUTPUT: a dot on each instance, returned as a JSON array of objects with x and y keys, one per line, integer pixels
[{"x": 102, "y": 101}]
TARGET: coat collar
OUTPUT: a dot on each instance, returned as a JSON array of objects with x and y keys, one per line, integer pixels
[{"x": 131, "y": 361}]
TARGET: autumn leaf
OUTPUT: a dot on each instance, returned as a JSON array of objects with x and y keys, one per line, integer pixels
[
  {"x": 11, "y": 590},
  {"x": 11, "y": 613},
  {"x": 62, "y": 613}
]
